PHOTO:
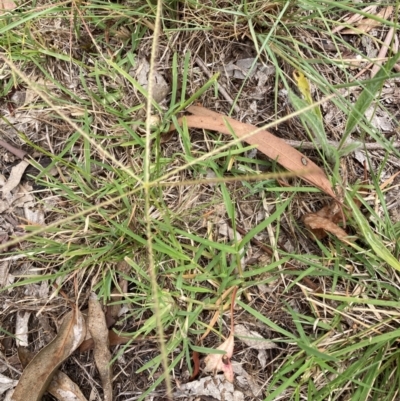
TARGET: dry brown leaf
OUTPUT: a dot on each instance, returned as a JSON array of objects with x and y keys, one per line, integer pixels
[
  {"x": 366, "y": 24},
  {"x": 113, "y": 311},
  {"x": 222, "y": 362},
  {"x": 113, "y": 339},
  {"x": 275, "y": 148},
  {"x": 12, "y": 149},
  {"x": 331, "y": 212},
  {"x": 383, "y": 51},
  {"x": 6, "y": 383},
  {"x": 39, "y": 372},
  {"x": 315, "y": 222},
  {"x": 4, "y": 273},
  {"x": 61, "y": 386},
  {"x": 354, "y": 18},
  {"x": 64, "y": 389},
  {"x": 102, "y": 355},
  {"x": 253, "y": 339},
  {"x": 86, "y": 345},
  {"x": 25, "y": 356},
  {"x": 7, "y": 5},
  {"x": 209, "y": 388},
  {"x": 116, "y": 339},
  {"x": 15, "y": 178},
  {"x": 21, "y": 328}
]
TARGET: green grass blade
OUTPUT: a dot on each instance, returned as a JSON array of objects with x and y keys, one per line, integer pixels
[{"x": 367, "y": 96}]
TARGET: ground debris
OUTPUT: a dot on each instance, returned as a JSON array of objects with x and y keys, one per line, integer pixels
[
  {"x": 6, "y": 5},
  {"x": 14, "y": 179},
  {"x": 5, "y": 277},
  {"x": 324, "y": 221},
  {"x": 6, "y": 383},
  {"x": 379, "y": 118},
  {"x": 40, "y": 371},
  {"x": 64, "y": 389},
  {"x": 366, "y": 24},
  {"x": 61, "y": 386},
  {"x": 315, "y": 223},
  {"x": 221, "y": 362},
  {"x": 102, "y": 355},
  {"x": 253, "y": 339},
  {"x": 21, "y": 328},
  {"x": 217, "y": 387},
  {"x": 246, "y": 381},
  {"x": 256, "y": 341},
  {"x": 160, "y": 85},
  {"x": 247, "y": 68}
]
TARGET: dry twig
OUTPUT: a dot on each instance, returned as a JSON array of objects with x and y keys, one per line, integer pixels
[
  {"x": 312, "y": 145},
  {"x": 12, "y": 149},
  {"x": 223, "y": 91}
]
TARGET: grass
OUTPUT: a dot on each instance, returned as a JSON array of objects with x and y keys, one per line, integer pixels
[{"x": 125, "y": 192}]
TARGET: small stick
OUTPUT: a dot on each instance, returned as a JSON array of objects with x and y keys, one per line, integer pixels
[
  {"x": 12, "y": 149},
  {"x": 233, "y": 308},
  {"x": 383, "y": 51},
  {"x": 224, "y": 93},
  {"x": 312, "y": 145}
]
